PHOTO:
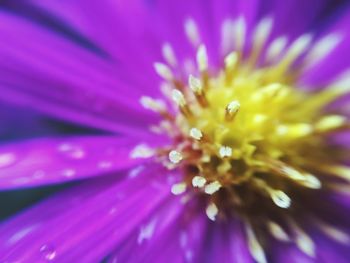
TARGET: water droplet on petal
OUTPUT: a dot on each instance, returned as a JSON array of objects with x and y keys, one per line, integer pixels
[
  {"x": 21, "y": 180},
  {"x": 105, "y": 164},
  {"x": 38, "y": 174},
  {"x": 136, "y": 171},
  {"x": 48, "y": 252},
  {"x": 146, "y": 231},
  {"x": 71, "y": 151},
  {"x": 68, "y": 173},
  {"x": 7, "y": 159}
]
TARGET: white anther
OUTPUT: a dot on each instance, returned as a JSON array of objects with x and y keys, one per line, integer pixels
[
  {"x": 178, "y": 189},
  {"x": 231, "y": 60},
  {"x": 239, "y": 28},
  {"x": 169, "y": 55},
  {"x": 202, "y": 58},
  {"x": 278, "y": 232},
  {"x": 192, "y": 32},
  {"x": 233, "y": 107},
  {"x": 178, "y": 97},
  {"x": 276, "y": 47},
  {"x": 322, "y": 48},
  {"x": 175, "y": 157},
  {"x": 262, "y": 31},
  {"x": 198, "y": 181},
  {"x": 195, "y": 84},
  {"x": 163, "y": 71},
  {"x": 212, "y": 188},
  {"x": 196, "y": 134},
  {"x": 255, "y": 247},
  {"x": 225, "y": 151},
  {"x": 142, "y": 151},
  {"x": 299, "y": 46},
  {"x": 152, "y": 104},
  {"x": 312, "y": 181},
  {"x": 280, "y": 198},
  {"x": 227, "y": 36},
  {"x": 212, "y": 211}
]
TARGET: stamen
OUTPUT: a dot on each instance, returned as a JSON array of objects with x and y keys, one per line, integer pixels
[
  {"x": 255, "y": 248},
  {"x": 276, "y": 47},
  {"x": 231, "y": 110},
  {"x": 225, "y": 151},
  {"x": 280, "y": 198},
  {"x": 312, "y": 181},
  {"x": 142, "y": 151},
  {"x": 175, "y": 157},
  {"x": 227, "y": 35},
  {"x": 169, "y": 55},
  {"x": 178, "y": 189},
  {"x": 202, "y": 58},
  {"x": 322, "y": 48},
  {"x": 303, "y": 241},
  {"x": 178, "y": 98},
  {"x": 298, "y": 47},
  {"x": 196, "y": 134},
  {"x": 195, "y": 85},
  {"x": 212, "y": 188},
  {"x": 330, "y": 123},
  {"x": 212, "y": 211},
  {"x": 163, "y": 71},
  {"x": 278, "y": 232},
  {"x": 192, "y": 32},
  {"x": 231, "y": 61},
  {"x": 336, "y": 234},
  {"x": 239, "y": 33},
  {"x": 261, "y": 33},
  {"x": 198, "y": 181},
  {"x": 153, "y": 104},
  {"x": 197, "y": 88}
]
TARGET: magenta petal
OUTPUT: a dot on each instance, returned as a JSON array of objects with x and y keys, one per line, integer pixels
[
  {"x": 82, "y": 224},
  {"x": 175, "y": 233},
  {"x": 48, "y": 161},
  {"x": 66, "y": 80}
]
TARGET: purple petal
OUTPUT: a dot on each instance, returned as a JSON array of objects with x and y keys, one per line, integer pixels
[
  {"x": 48, "y": 161},
  {"x": 65, "y": 80},
  {"x": 337, "y": 60},
  {"x": 226, "y": 242},
  {"x": 175, "y": 233},
  {"x": 84, "y": 223}
]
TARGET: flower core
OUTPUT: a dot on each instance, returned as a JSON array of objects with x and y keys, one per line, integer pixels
[{"x": 246, "y": 136}]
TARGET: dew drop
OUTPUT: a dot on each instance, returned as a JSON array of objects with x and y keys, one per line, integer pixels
[
  {"x": 104, "y": 165},
  {"x": 71, "y": 151},
  {"x": 48, "y": 252},
  {"x": 68, "y": 173},
  {"x": 146, "y": 231},
  {"x": 38, "y": 174},
  {"x": 7, "y": 159}
]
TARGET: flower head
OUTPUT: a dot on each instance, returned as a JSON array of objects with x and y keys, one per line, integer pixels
[{"x": 236, "y": 156}]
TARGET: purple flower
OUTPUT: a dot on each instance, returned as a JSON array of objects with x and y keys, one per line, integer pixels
[{"x": 226, "y": 130}]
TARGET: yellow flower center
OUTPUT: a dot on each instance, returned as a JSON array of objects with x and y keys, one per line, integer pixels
[{"x": 247, "y": 137}]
